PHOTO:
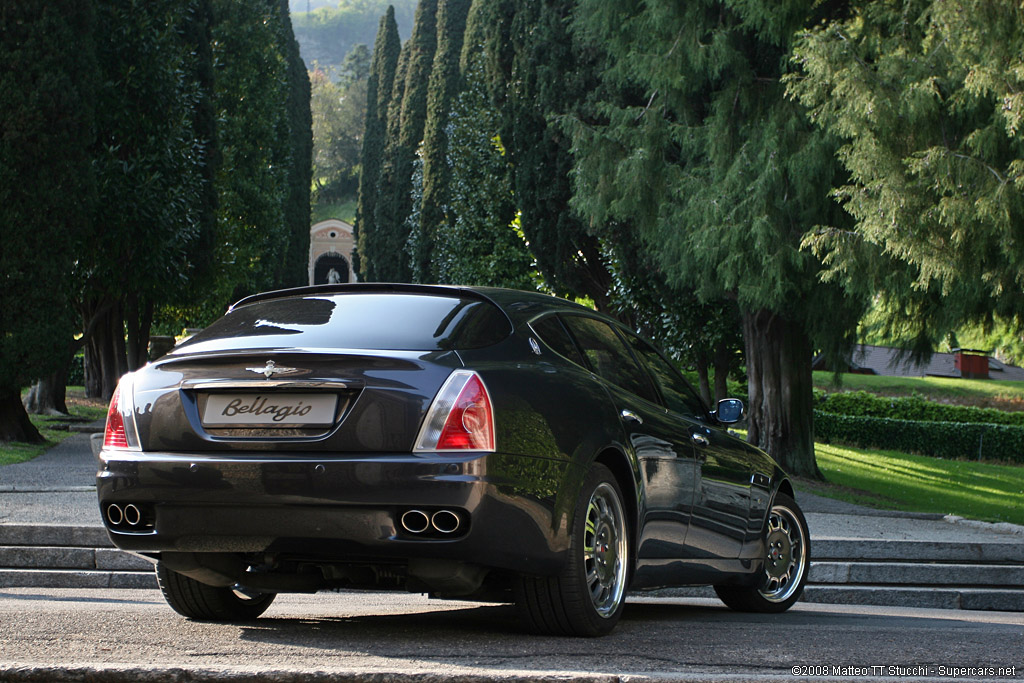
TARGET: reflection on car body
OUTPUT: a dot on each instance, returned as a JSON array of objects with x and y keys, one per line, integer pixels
[{"x": 467, "y": 442}]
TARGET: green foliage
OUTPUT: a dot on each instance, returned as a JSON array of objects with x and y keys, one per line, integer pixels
[
  {"x": 328, "y": 35},
  {"x": 480, "y": 244},
  {"x": 926, "y": 96},
  {"x": 916, "y": 408},
  {"x": 542, "y": 74},
  {"x": 442, "y": 88},
  {"x": 47, "y": 193},
  {"x": 251, "y": 96},
  {"x": 292, "y": 269},
  {"x": 950, "y": 389},
  {"x": 379, "y": 89},
  {"x": 339, "y": 119},
  {"x": 937, "y": 439},
  {"x": 692, "y": 143},
  {"x": 405, "y": 133}
]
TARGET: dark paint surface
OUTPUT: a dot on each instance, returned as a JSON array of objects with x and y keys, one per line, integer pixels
[{"x": 333, "y": 495}]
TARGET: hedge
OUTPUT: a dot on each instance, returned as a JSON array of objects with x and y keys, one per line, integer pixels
[
  {"x": 939, "y": 439},
  {"x": 864, "y": 404}
]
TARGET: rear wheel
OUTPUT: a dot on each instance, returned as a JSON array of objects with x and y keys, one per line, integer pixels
[
  {"x": 587, "y": 598},
  {"x": 196, "y": 600},
  {"x": 787, "y": 559}
]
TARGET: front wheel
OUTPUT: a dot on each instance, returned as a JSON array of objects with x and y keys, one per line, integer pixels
[
  {"x": 787, "y": 558},
  {"x": 587, "y": 598},
  {"x": 196, "y": 600}
]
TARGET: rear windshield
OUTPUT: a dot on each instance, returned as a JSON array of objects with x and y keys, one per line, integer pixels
[{"x": 399, "y": 322}]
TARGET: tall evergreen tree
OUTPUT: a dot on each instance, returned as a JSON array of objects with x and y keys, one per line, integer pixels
[
  {"x": 722, "y": 176},
  {"x": 378, "y": 101},
  {"x": 443, "y": 86},
  {"x": 548, "y": 75},
  {"x": 251, "y": 96},
  {"x": 479, "y": 241},
  {"x": 47, "y": 191},
  {"x": 149, "y": 166},
  {"x": 928, "y": 98},
  {"x": 293, "y": 267},
  {"x": 405, "y": 133}
]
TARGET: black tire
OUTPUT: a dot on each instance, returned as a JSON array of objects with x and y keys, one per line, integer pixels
[
  {"x": 196, "y": 600},
  {"x": 571, "y": 604},
  {"x": 786, "y": 563}
]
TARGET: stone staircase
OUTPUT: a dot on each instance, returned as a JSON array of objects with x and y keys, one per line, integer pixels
[
  {"x": 58, "y": 556},
  {"x": 944, "y": 575}
]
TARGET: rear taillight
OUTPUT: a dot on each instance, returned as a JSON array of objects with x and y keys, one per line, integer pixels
[
  {"x": 460, "y": 418},
  {"x": 121, "y": 432}
]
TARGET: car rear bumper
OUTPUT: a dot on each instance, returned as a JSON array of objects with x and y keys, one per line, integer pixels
[{"x": 344, "y": 508}]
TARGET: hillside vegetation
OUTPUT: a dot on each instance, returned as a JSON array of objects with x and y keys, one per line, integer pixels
[{"x": 327, "y": 34}]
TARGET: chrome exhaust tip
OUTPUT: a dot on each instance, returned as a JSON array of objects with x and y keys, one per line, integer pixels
[
  {"x": 445, "y": 521},
  {"x": 115, "y": 515},
  {"x": 415, "y": 521},
  {"x": 132, "y": 514}
]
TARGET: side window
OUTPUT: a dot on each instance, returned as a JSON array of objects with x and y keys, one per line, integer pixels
[
  {"x": 679, "y": 396},
  {"x": 608, "y": 355},
  {"x": 550, "y": 329}
]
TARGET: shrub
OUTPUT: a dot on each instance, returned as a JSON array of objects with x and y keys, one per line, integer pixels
[
  {"x": 864, "y": 404},
  {"x": 952, "y": 440}
]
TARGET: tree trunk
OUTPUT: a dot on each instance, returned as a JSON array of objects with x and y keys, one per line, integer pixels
[
  {"x": 700, "y": 362},
  {"x": 781, "y": 411},
  {"x": 722, "y": 361},
  {"x": 48, "y": 396},
  {"x": 105, "y": 359},
  {"x": 14, "y": 422}
]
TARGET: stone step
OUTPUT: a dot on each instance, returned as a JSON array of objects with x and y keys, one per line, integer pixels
[
  {"x": 916, "y": 573},
  {"x": 965, "y": 598},
  {"x": 74, "y": 578},
  {"x": 54, "y": 557},
  {"x": 60, "y": 535},
  {"x": 1009, "y": 552}
]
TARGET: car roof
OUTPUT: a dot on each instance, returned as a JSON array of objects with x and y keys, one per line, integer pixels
[{"x": 518, "y": 305}]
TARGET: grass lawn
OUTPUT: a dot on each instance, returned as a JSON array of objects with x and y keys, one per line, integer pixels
[
  {"x": 995, "y": 393},
  {"x": 897, "y": 481},
  {"x": 91, "y": 409}
]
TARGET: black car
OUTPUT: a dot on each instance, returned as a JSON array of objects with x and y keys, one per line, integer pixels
[{"x": 472, "y": 443}]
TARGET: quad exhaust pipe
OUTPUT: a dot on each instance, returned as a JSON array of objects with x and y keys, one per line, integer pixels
[{"x": 441, "y": 521}]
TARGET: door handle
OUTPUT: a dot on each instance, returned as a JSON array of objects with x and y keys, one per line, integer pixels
[
  {"x": 700, "y": 440},
  {"x": 630, "y": 416}
]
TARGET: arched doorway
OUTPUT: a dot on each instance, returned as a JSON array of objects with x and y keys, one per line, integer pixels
[
  {"x": 330, "y": 246},
  {"x": 328, "y": 262}
]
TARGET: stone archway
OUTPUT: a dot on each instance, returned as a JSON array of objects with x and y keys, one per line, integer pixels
[
  {"x": 328, "y": 262},
  {"x": 330, "y": 246}
]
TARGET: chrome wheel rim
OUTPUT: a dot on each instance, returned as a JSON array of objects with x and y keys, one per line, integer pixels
[
  {"x": 785, "y": 555},
  {"x": 604, "y": 550}
]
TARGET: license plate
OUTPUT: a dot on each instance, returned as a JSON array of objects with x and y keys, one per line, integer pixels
[{"x": 269, "y": 410}]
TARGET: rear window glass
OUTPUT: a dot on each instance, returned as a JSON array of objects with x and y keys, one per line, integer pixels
[{"x": 399, "y": 322}]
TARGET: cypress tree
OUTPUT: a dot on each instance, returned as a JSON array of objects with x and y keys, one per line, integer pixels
[
  {"x": 443, "y": 86},
  {"x": 46, "y": 188},
  {"x": 404, "y": 137},
  {"x": 548, "y": 76},
  {"x": 379, "y": 87},
  {"x": 479, "y": 241},
  {"x": 293, "y": 269}
]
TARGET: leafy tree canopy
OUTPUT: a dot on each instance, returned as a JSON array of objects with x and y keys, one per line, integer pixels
[{"x": 928, "y": 98}]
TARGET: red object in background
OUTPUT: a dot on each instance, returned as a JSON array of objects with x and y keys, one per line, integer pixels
[{"x": 971, "y": 365}]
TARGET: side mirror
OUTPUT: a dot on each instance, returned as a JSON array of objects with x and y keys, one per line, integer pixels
[{"x": 729, "y": 411}]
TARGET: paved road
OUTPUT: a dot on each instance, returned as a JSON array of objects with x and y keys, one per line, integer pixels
[{"x": 132, "y": 632}]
